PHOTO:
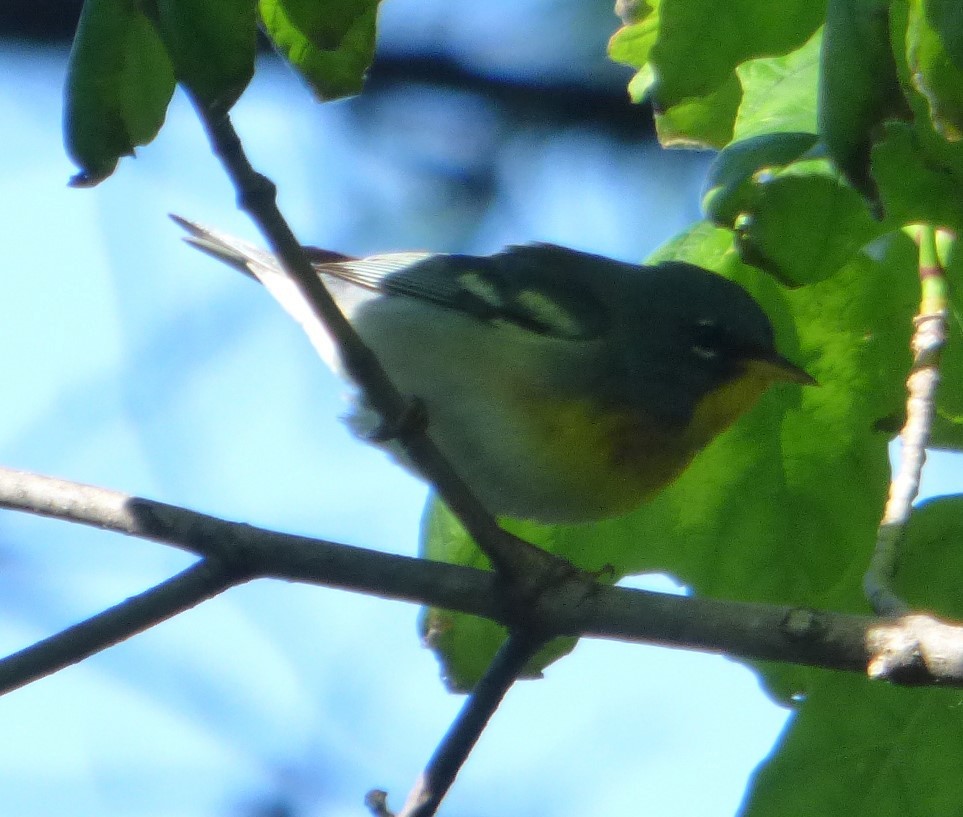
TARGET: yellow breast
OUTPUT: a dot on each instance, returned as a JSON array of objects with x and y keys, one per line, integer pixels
[{"x": 606, "y": 462}]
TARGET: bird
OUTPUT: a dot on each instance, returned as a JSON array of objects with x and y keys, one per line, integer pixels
[{"x": 562, "y": 386}]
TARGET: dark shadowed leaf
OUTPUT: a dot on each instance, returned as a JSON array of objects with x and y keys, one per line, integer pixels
[
  {"x": 919, "y": 176},
  {"x": 732, "y": 181},
  {"x": 119, "y": 83},
  {"x": 946, "y": 17},
  {"x": 211, "y": 44},
  {"x": 858, "y": 88}
]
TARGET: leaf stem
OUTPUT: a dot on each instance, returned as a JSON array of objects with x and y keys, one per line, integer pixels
[{"x": 927, "y": 344}]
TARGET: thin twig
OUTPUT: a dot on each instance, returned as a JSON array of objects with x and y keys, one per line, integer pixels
[
  {"x": 929, "y": 338},
  {"x": 525, "y": 568},
  {"x": 453, "y": 751},
  {"x": 201, "y": 581}
]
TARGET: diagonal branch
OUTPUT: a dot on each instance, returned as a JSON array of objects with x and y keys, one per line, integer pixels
[
  {"x": 525, "y": 568},
  {"x": 187, "y": 589},
  {"x": 453, "y": 751}
]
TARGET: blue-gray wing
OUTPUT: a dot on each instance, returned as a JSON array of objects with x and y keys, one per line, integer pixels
[
  {"x": 542, "y": 288},
  {"x": 532, "y": 286}
]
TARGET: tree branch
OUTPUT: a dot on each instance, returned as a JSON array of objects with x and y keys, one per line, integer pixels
[
  {"x": 461, "y": 737},
  {"x": 912, "y": 649},
  {"x": 198, "y": 583},
  {"x": 261, "y": 553},
  {"x": 525, "y": 567}
]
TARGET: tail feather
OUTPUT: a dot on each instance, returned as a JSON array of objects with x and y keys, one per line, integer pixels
[
  {"x": 264, "y": 267},
  {"x": 234, "y": 252}
]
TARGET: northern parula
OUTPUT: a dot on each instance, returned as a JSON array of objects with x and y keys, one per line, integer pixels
[{"x": 562, "y": 386}]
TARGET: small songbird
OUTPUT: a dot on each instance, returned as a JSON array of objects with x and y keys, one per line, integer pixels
[{"x": 561, "y": 386}]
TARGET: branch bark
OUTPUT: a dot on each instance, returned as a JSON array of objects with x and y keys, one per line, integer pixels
[
  {"x": 523, "y": 566},
  {"x": 929, "y": 338},
  {"x": 912, "y": 649},
  {"x": 451, "y": 754},
  {"x": 198, "y": 583}
]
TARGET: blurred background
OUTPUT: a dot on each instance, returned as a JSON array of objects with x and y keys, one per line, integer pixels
[{"x": 136, "y": 363}]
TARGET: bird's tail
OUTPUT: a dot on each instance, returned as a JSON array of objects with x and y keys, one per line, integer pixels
[
  {"x": 264, "y": 267},
  {"x": 245, "y": 257}
]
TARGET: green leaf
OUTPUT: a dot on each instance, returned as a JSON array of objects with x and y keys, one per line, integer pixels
[
  {"x": 640, "y": 84},
  {"x": 330, "y": 42},
  {"x": 919, "y": 176},
  {"x": 631, "y": 45},
  {"x": 868, "y": 749},
  {"x": 934, "y": 74},
  {"x": 700, "y": 43},
  {"x": 697, "y": 93},
  {"x": 864, "y": 749},
  {"x": 119, "y": 83},
  {"x": 731, "y": 183},
  {"x": 803, "y": 228},
  {"x": 859, "y": 87},
  {"x": 946, "y": 17},
  {"x": 782, "y": 507},
  {"x": 948, "y": 430},
  {"x": 464, "y": 644},
  {"x": 933, "y": 538},
  {"x": 211, "y": 44},
  {"x": 779, "y": 93},
  {"x": 705, "y": 122}
]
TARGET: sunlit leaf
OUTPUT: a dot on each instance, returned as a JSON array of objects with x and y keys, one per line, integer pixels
[
  {"x": 868, "y": 749},
  {"x": 779, "y": 93},
  {"x": 330, "y": 42},
  {"x": 632, "y": 44},
  {"x": 701, "y": 123},
  {"x": 700, "y": 44}
]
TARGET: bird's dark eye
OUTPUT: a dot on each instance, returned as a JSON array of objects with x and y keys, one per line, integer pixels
[{"x": 708, "y": 339}]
